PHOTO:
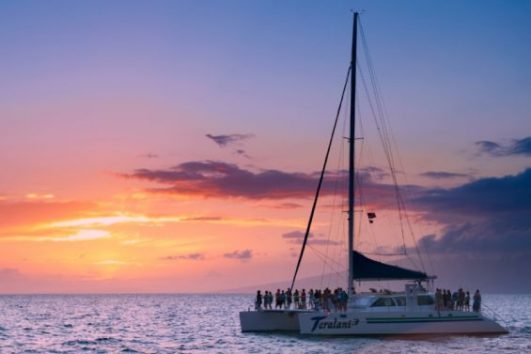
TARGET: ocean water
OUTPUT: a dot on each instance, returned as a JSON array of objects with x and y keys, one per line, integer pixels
[{"x": 210, "y": 324}]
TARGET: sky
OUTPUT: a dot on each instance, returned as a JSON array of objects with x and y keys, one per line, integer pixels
[{"x": 174, "y": 146}]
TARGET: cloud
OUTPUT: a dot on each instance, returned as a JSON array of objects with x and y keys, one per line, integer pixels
[
  {"x": 37, "y": 196},
  {"x": 243, "y": 255},
  {"x": 515, "y": 147},
  {"x": 485, "y": 235},
  {"x": 150, "y": 155},
  {"x": 203, "y": 218},
  {"x": 242, "y": 152},
  {"x": 83, "y": 235},
  {"x": 484, "y": 217},
  {"x": 522, "y": 146},
  {"x": 108, "y": 220},
  {"x": 375, "y": 173},
  {"x": 491, "y": 196},
  {"x": 492, "y": 236},
  {"x": 80, "y": 235},
  {"x": 287, "y": 205},
  {"x": 443, "y": 175},
  {"x": 229, "y": 139},
  {"x": 477, "y": 213},
  {"x": 9, "y": 274},
  {"x": 386, "y": 251},
  {"x": 31, "y": 212},
  {"x": 297, "y": 237},
  {"x": 489, "y": 147},
  {"x": 190, "y": 256},
  {"x": 233, "y": 140},
  {"x": 221, "y": 179}
]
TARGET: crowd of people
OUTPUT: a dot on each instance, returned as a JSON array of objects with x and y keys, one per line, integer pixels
[
  {"x": 337, "y": 300},
  {"x": 458, "y": 300},
  {"x": 326, "y": 299}
]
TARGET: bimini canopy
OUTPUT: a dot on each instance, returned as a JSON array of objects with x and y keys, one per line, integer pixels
[{"x": 369, "y": 269}]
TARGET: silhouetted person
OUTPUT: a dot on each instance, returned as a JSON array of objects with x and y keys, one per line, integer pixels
[
  {"x": 258, "y": 303},
  {"x": 476, "y": 305}
]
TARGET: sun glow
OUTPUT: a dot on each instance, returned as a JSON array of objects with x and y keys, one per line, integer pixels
[{"x": 112, "y": 220}]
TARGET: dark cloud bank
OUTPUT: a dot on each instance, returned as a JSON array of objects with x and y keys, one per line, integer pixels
[
  {"x": 515, "y": 147},
  {"x": 486, "y": 236},
  {"x": 221, "y": 179}
]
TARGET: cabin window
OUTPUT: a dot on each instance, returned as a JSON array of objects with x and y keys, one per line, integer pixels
[
  {"x": 400, "y": 301},
  {"x": 362, "y": 302},
  {"x": 425, "y": 300},
  {"x": 383, "y": 301}
]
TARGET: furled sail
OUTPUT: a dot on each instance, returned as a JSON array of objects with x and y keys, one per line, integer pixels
[{"x": 369, "y": 269}]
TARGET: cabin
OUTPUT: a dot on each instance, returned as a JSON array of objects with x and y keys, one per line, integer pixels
[{"x": 414, "y": 298}]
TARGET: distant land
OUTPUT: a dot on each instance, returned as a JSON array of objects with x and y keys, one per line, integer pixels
[{"x": 484, "y": 274}]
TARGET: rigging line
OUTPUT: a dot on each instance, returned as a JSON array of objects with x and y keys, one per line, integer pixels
[
  {"x": 376, "y": 87},
  {"x": 308, "y": 227},
  {"x": 333, "y": 271},
  {"x": 408, "y": 221},
  {"x": 344, "y": 189},
  {"x": 390, "y": 159},
  {"x": 325, "y": 257},
  {"x": 371, "y": 106},
  {"x": 336, "y": 202},
  {"x": 380, "y": 104},
  {"x": 378, "y": 110},
  {"x": 359, "y": 180},
  {"x": 361, "y": 195},
  {"x": 387, "y": 132}
]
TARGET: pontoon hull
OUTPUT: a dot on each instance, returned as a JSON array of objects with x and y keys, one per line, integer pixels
[
  {"x": 270, "y": 320},
  {"x": 388, "y": 323}
]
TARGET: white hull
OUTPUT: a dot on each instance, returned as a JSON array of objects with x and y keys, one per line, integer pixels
[
  {"x": 397, "y": 323},
  {"x": 271, "y": 320}
]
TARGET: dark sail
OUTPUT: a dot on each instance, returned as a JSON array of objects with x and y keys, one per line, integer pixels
[{"x": 369, "y": 269}]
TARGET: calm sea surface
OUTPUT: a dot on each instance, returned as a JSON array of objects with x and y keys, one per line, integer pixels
[{"x": 210, "y": 324}]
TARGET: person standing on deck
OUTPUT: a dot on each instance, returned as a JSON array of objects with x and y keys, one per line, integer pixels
[
  {"x": 278, "y": 303},
  {"x": 476, "y": 305},
  {"x": 296, "y": 299},
  {"x": 311, "y": 299},
  {"x": 258, "y": 303},
  {"x": 460, "y": 299},
  {"x": 289, "y": 298},
  {"x": 439, "y": 300}
]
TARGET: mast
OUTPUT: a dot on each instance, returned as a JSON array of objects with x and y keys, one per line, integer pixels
[{"x": 352, "y": 155}]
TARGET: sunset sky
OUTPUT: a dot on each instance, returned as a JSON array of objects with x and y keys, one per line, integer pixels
[{"x": 172, "y": 146}]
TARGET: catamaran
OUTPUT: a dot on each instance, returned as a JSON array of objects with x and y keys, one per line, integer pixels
[{"x": 415, "y": 311}]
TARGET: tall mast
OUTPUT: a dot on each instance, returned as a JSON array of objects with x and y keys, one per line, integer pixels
[{"x": 352, "y": 155}]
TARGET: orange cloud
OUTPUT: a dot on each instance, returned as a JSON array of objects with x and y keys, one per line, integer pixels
[{"x": 23, "y": 213}]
